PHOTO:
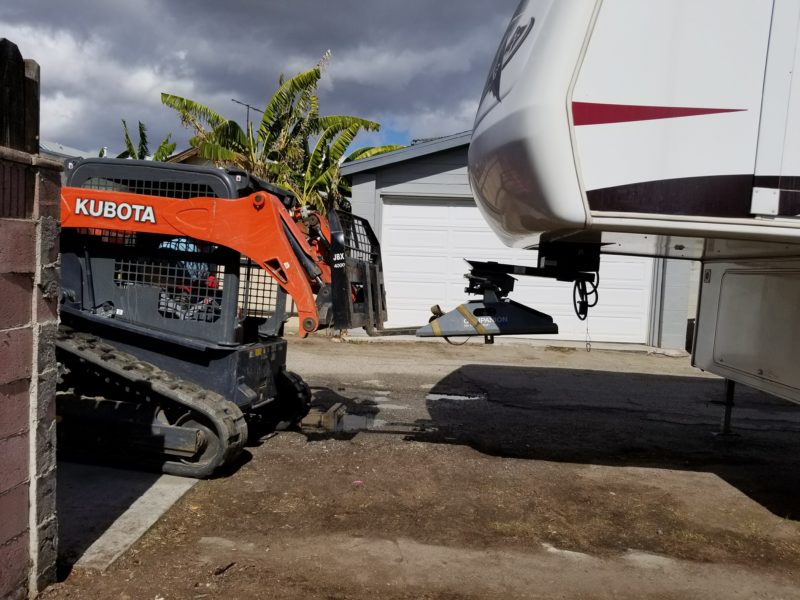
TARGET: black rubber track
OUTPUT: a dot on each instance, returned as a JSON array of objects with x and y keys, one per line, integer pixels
[
  {"x": 294, "y": 396},
  {"x": 99, "y": 359}
]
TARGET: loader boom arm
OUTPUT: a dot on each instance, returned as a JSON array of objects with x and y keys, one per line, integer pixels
[{"x": 257, "y": 226}]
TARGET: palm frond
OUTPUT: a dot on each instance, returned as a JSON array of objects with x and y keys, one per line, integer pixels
[
  {"x": 130, "y": 151},
  {"x": 345, "y": 121},
  {"x": 370, "y": 151},
  {"x": 165, "y": 149},
  {"x": 194, "y": 110},
  {"x": 283, "y": 100},
  {"x": 229, "y": 133},
  {"x": 143, "y": 150},
  {"x": 342, "y": 142},
  {"x": 218, "y": 153},
  {"x": 317, "y": 157}
]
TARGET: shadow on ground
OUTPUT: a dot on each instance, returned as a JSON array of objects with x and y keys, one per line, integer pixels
[
  {"x": 611, "y": 418},
  {"x": 90, "y": 498}
]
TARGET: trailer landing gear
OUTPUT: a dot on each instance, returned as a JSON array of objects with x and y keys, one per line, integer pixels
[{"x": 726, "y": 431}]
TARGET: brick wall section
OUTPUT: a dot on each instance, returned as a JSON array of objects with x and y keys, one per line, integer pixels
[{"x": 29, "y": 294}]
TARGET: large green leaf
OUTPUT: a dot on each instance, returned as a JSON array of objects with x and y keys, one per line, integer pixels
[
  {"x": 342, "y": 143},
  {"x": 344, "y": 121},
  {"x": 370, "y": 151},
  {"x": 317, "y": 158},
  {"x": 218, "y": 153},
  {"x": 230, "y": 134},
  {"x": 130, "y": 150},
  {"x": 143, "y": 151},
  {"x": 193, "y": 111},
  {"x": 165, "y": 149},
  {"x": 283, "y": 102}
]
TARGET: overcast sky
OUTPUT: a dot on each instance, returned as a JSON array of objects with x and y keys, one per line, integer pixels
[{"x": 415, "y": 66}]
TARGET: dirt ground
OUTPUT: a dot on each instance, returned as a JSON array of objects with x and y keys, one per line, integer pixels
[{"x": 509, "y": 471}]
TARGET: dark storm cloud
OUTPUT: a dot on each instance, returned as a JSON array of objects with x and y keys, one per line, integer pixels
[{"x": 417, "y": 66}]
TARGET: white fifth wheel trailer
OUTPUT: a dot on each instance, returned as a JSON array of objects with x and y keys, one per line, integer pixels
[{"x": 665, "y": 128}]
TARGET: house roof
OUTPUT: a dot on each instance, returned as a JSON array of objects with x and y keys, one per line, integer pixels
[
  {"x": 413, "y": 151},
  {"x": 57, "y": 150},
  {"x": 179, "y": 157}
]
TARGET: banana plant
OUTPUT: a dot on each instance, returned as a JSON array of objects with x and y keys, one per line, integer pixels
[
  {"x": 141, "y": 151},
  {"x": 277, "y": 149},
  {"x": 322, "y": 184}
]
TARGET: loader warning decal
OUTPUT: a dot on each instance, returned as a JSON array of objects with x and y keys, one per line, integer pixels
[{"x": 109, "y": 209}]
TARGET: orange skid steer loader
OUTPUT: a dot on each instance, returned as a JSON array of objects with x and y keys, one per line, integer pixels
[{"x": 175, "y": 281}]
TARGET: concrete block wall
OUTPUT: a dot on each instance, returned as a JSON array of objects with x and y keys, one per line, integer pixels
[{"x": 29, "y": 295}]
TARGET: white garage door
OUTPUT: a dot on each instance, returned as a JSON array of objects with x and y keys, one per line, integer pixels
[{"x": 424, "y": 242}]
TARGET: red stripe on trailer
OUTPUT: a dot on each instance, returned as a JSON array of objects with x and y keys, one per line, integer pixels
[{"x": 595, "y": 113}]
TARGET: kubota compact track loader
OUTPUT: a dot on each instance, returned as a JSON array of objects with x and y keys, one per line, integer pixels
[{"x": 174, "y": 286}]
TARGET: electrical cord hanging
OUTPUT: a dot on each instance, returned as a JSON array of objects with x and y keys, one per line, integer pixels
[{"x": 585, "y": 296}]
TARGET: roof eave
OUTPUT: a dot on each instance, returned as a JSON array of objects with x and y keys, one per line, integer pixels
[{"x": 407, "y": 153}]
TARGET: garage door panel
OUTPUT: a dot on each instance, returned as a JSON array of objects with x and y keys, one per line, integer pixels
[
  {"x": 466, "y": 216},
  {"x": 397, "y": 213},
  {"x": 425, "y": 242},
  {"x": 410, "y": 269},
  {"x": 417, "y": 238},
  {"x": 471, "y": 239},
  {"x": 403, "y": 297},
  {"x": 412, "y": 289},
  {"x": 456, "y": 264},
  {"x": 613, "y": 299}
]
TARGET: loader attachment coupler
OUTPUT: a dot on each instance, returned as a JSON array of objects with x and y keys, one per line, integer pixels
[{"x": 496, "y": 314}]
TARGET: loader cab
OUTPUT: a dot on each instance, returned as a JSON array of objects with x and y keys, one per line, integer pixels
[{"x": 178, "y": 286}]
